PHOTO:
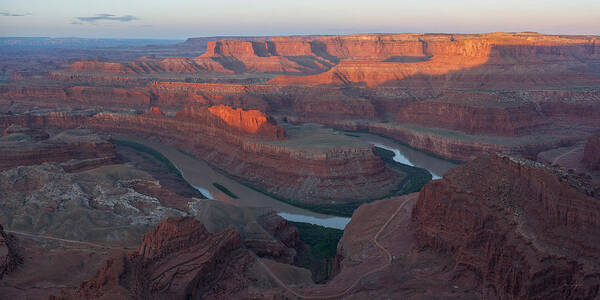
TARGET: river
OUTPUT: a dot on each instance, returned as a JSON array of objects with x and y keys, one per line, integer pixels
[
  {"x": 409, "y": 156},
  {"x": 201, "y": 176}
]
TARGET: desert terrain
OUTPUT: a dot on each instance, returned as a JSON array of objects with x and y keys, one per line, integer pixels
[{"x": 361, "y": 166}]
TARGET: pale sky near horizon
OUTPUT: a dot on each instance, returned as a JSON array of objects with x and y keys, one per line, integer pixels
[{"x": 179, "y": 19}]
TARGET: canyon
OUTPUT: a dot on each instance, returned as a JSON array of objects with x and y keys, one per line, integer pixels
[
  {"x": 462, "y": 166},
  {"x": 455, "y": 238},
  {"x": 250, "y": 147},
  {"x": 57, "y": 218},
  {"x": 489, "y": 91}
]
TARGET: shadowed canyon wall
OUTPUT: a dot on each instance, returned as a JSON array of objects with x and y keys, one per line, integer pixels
[{"x": 516, "y": 229}]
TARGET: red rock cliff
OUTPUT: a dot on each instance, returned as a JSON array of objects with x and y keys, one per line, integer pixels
[
  {"x": 10, "y": 258},
  {"x": 177, "y": 260},
  {"x": 251, "y": 121},
  {"x": 473, "y": 119},
  {"x": 516, "y": 229},
  {"x": 23, "y": 149},
  {"x": 468, "y": 61}
]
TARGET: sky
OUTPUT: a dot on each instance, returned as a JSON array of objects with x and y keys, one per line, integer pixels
[{"x": 180, "y": 19}]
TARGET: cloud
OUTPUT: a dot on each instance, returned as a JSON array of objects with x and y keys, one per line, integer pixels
[
  {"x": 106, "y": 17},
  {"x": 5, "y": 13}
]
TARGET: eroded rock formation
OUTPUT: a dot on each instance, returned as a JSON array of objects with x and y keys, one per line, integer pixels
[
  {"x": 10, "y": 258},
  {"x": 77, "y": 149},
  {"x": 179, "y": 259},
  {"x": 505, "y": 121},
  {"x": 465, "y": 60},
  {"x": 515, "y": 229}
]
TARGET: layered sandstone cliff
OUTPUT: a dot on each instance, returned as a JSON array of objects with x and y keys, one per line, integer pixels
[
  {"x": 457, "y": 145},
  {"x": 179, "y": 259},
  {"x": 10, "y": 258},
  {"x": 23, "y": 147},
  {"x": 78, "y": 96},
  {"x": 475, "y": 119},
  {"x": 467, "y": 61},
  {"x": 223, "y": 56},
  {"x": 515, "y": 229},
  {"x": 391, "y": 57},
  {"x": 150, "y": 66}
]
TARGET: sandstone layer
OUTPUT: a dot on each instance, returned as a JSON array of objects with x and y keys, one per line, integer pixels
[
  {"x": 461, "y": 59},
  {"x": 179, "y": 259},
  {"x": 515, "y": 229},
  {"x": 77, "y": 149},
  {"x": 10, "y": 258}
]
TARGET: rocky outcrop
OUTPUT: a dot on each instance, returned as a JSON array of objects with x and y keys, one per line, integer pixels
[
  {"x": 10, "y": 258},
  {"x": 96, "y": 96},
  {"x": 78, "y": 96},
  {"x": 285, "y": 243},
  {"x": 72, "y": 222},
  {"x": 264, "y": 57},
  {"x": 591, "y": 155},
  {"x": 149, "y": 66},
  {"x": 250, "y": 121},
  {"x": 97, "y": 205},
  {"x": 479, "y": 119},
  {"x": 515, "y": 229},
  {"x": 179, "y": 259},
  {"x": 78, "y": 149},
  {"x": 11, "y": 92},
  {"x": 280, "y": 229},
  {"x": 34, "y": 134},
  {"x": 456, "y": 145}
]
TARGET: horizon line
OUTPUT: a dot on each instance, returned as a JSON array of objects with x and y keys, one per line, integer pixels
[{"x": 304, "y": 34}]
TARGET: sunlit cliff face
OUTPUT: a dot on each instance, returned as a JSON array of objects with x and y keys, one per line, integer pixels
[
  {"x": 245, "y": 120},
  {"x": 155, "y": 110},
  {"x": 463, "y": 61},
  {"x": 379, "y": 59}
]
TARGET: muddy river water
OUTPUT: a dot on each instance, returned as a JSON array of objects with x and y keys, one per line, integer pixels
[
  {"x": 201, "y": 176},
  {"x": 409, "y": 156}
]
